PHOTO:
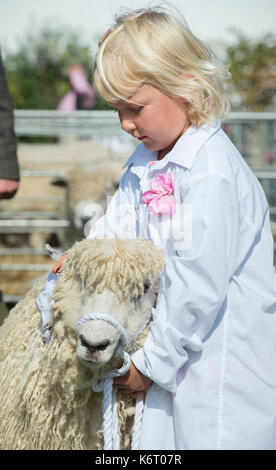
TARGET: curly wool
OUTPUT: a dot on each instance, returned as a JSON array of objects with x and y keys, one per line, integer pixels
[
  {"x": 110, "y": 265},
  {"x": 46, "y": 397}
]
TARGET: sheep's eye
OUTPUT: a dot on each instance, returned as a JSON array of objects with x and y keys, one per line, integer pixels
[{"x": 146, "y": 286}]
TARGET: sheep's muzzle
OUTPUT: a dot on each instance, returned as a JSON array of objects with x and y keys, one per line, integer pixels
[
  {"x": 97, "y": 340},
  {"x": 93, "y": 351}
]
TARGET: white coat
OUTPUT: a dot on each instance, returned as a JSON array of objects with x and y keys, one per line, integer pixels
[{"x": 211, "y": 351}]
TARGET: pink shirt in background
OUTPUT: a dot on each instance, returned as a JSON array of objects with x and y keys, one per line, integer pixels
[{"x": 81, "y": 95}]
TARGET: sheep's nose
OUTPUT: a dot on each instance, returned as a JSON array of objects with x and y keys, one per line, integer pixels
[{"x": 101, "y": 346}]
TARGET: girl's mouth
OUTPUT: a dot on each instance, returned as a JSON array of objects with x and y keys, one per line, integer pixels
[{"x": 142, "y": 138}]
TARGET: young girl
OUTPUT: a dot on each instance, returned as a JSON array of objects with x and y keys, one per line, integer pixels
[
  {"x": 207, "y": 367},
  {"x": 208, "y": 363}
]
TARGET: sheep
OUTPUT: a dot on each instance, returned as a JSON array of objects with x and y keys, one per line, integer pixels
[
  {"x": 46, "y": 398},
  {"x": 88, "y": 190}
]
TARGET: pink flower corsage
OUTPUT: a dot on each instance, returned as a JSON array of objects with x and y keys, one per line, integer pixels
[{"x": 160, "y": 198}]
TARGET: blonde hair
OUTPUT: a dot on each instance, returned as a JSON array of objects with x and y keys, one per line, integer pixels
[{"x": 154, "y": 47}]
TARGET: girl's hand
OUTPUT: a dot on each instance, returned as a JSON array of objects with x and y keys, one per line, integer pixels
[{"x": 133, "y": 382}]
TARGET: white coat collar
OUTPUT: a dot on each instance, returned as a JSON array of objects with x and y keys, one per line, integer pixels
[{"x": 183, "y": 153}]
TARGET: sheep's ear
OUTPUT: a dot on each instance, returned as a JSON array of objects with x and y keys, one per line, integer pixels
[{"x": 53, "y": 252}]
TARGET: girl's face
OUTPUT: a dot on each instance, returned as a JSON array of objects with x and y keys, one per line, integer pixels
[{"x": 158, "y": 120}]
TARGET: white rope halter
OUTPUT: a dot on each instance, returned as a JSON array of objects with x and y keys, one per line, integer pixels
[{"x": 111, "y": 428}]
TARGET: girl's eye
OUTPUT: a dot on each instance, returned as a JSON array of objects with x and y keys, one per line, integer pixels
[
  {"x": 137, "y": 110},
  {"x": 134, "y": 111},
  {"x": 128, "y": 113}
]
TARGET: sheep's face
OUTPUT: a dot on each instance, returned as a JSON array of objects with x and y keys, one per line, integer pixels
[
  {"x": 118, "y": 278},
  {"x": 98, "y": 339}
]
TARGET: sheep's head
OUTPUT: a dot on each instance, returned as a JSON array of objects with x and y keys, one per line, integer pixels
[
  {"x": 88, "y": 190},
  {"x": 119, "y": 278}
]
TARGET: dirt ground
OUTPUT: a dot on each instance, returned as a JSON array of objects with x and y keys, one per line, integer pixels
[{"x": 17, "y": 282}]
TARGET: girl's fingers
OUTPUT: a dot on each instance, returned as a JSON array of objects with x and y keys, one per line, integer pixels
[
  {"x": 137, "y": 394},
  {"x": 120, "y": 384},
  {"x": 120, "y": 380},
  {"x": 133, "y": 392}
]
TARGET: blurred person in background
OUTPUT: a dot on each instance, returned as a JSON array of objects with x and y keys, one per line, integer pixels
[
  {"x": 81, "y": 95},
  {"x": 9, "y": 170}
]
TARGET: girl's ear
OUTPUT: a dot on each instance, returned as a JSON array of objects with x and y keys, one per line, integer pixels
[{"x": 188, "y": 75}]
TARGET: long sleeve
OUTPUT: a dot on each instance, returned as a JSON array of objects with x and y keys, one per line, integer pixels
[
  {"x": 195, "y": 281},
  {"x": 8, "y": 153}
]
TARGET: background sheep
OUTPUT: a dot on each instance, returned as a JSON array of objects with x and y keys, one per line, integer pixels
[
  {"x": 88, "y": 191},
  {"x": 46, "y": 397}
]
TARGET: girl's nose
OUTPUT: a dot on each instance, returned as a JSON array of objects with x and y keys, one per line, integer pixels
[{"x": 128, "y": 125}]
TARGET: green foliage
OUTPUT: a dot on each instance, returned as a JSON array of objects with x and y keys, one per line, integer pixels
[
  {"x": 252, "y": 65},
  {"x": 36, "y": 71},
  {"x": 37, "y": 80}
]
